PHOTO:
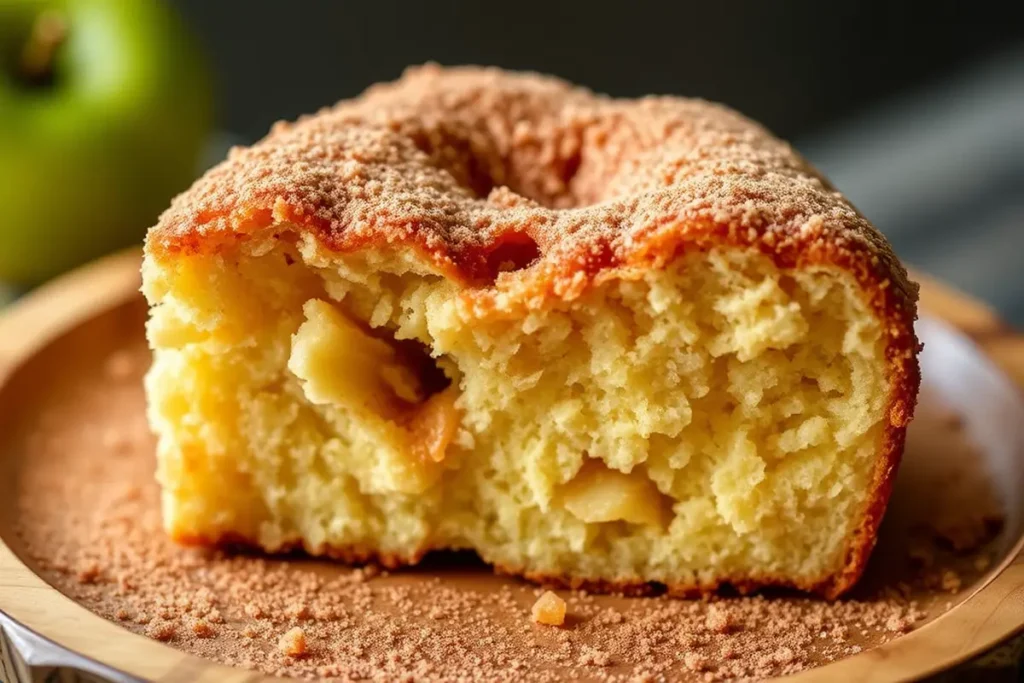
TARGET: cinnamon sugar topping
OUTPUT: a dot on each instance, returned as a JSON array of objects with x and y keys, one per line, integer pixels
[{"x": 457, "y": 163}]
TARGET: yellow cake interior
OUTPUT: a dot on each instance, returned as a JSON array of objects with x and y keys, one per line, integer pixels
[{"x": 718, "y": 419}]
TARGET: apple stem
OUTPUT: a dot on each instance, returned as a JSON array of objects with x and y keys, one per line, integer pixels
[{"x": 49, "y": 31}]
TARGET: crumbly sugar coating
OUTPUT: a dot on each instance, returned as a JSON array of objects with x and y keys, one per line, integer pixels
[{"x": 458, "y": 162}]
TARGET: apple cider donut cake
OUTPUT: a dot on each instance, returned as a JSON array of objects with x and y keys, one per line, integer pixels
[{"x": 605, "y": 343}]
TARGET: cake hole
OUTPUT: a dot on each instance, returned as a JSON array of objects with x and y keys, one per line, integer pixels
[
  {"x": 455, "y": 153},
  {"x": 414, "y": 354},
  {"x": 788, "y": 285},
  {"x": 517, "y": 251},
  {"x": 543, "y": 171}
]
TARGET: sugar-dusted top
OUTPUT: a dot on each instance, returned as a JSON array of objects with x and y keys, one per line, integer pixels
[{"x": 479, "y": 169}]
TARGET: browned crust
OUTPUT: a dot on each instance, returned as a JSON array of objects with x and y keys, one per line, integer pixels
[
  {"x": 604, "y": 188},
  {"x": 352, "y": 554},
  {"x": 231, "y": 541}
]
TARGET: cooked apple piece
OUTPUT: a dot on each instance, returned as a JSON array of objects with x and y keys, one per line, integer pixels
[
  {"x": 432, "y": 426},
  {"x": 600, "y": 494},
  {"x": 342, "y": 364}
]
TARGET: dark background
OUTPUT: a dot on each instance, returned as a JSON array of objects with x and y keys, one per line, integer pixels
[
  {"x": 915, "y": 110},
  {"x": 794, "y": 65}
]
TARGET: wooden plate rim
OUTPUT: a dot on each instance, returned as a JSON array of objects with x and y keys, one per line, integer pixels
[{"x": 993, "y": 613}]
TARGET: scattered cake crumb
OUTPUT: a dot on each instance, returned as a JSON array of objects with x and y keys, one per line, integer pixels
[
  {"x": 298, "y": 611},
  {"x": 594, "y": 657},
  {"x": 695, "y": 661},
  {"x": 717, "y": 620},
  {"x": 293, "y": 643},
  {"x": 160, "y": 630},
  {"x": 898, "y": 624},
  {"x": 549, "y": 609},
  {"x": 202, "y": 628}
]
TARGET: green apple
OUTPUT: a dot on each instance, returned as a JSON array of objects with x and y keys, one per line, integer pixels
[{"x": 104, "y": 109}]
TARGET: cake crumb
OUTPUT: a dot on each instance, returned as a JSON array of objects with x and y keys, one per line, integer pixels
[
  {"x": 202, "y": 629},
  {"x": 160, "y": 630},
  {"x": 594, "y": 657},
  {"x": 293, "y": 643},
  {"x": 898, "y": 624},
  {"x": 298, "y": 610},
  {"x": 549, "y": 609},
  {"x": 695, "y": 661},
  {"x": 717, "y": 620}
]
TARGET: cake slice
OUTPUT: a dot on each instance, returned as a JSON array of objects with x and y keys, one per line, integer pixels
[{"x": 602, "y": 343}]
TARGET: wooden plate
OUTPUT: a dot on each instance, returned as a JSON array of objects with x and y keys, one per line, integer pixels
[{"x": 990, "y": 614}]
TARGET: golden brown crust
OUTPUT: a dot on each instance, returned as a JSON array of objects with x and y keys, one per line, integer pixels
[
  {"x": 233, "y": 541},
  {"x": 474, "y": 169}
]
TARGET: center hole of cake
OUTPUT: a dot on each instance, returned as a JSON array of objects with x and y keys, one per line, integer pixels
[{"x": 540, "y": 168}]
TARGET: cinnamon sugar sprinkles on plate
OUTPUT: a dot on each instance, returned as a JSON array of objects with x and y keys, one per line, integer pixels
[{"x": 90, "y": 524}]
